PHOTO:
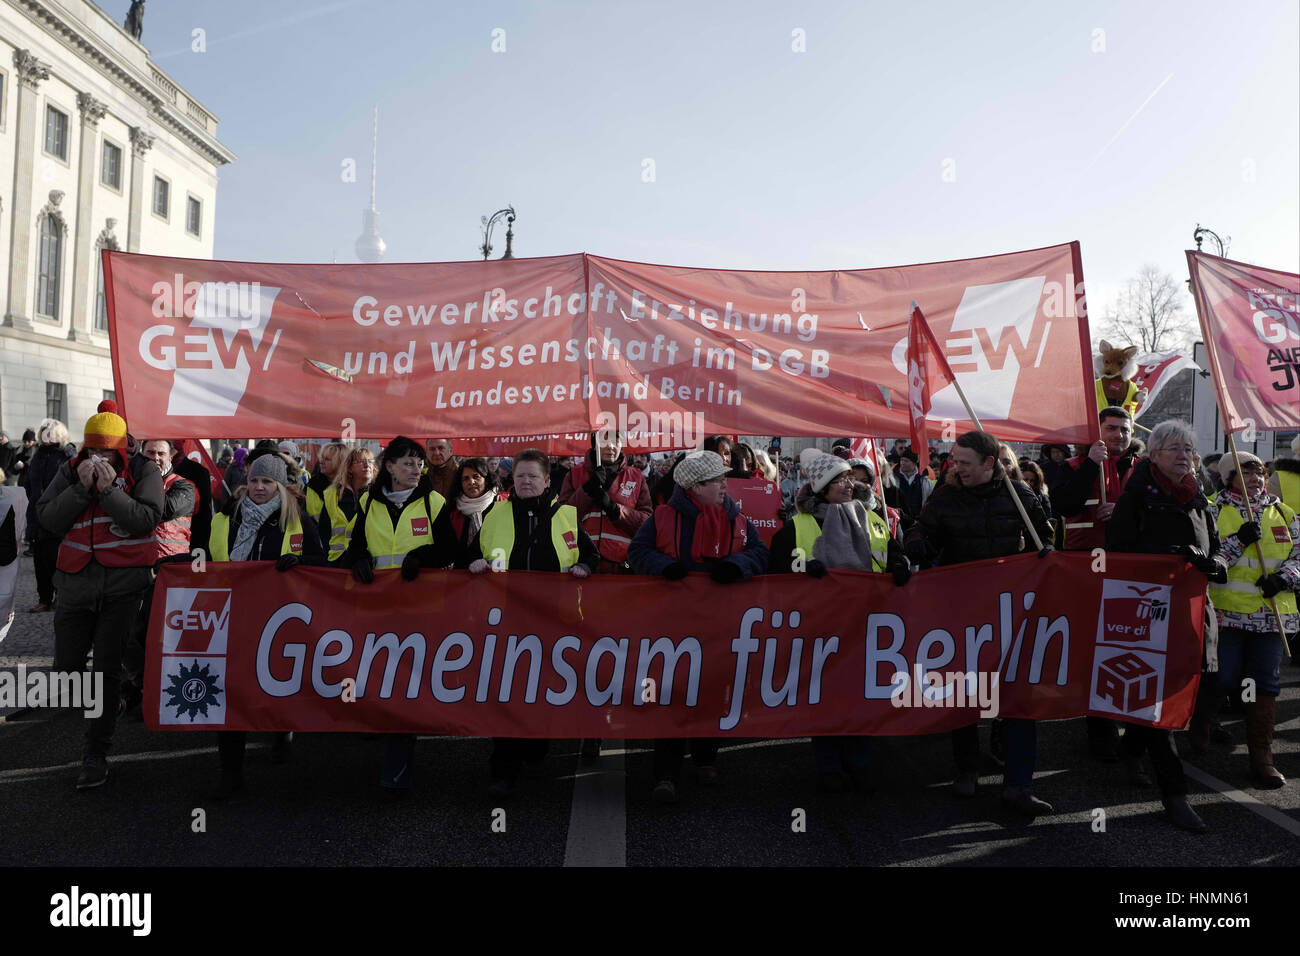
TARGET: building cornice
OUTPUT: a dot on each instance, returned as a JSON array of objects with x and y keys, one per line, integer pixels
[
  {"x": 127, "y": 76},
  {"x": 55, "y": 341}
]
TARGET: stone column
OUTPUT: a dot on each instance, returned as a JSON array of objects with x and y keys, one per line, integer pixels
[
  {"x": 29, "y": 72},
  {"x": 141, "y": 143},
  {"x": 92, "y": 111}
]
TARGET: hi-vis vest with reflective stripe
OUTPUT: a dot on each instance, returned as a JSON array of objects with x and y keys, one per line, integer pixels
[
  {"x": 496, "y": 539},
  {"x": 389, "y": 545},
  {"x": 1289, "y": 483},
  {"x": 1240, "y": 594},
  {"x": 340, "y": 523},
  {"x": 807, "y": 531},
  {"x": 93, "y": 535},
  {"x": 219, "y": 541},
  {"x": 604, "y": 533},
  {"x": 1129, "y": 403},
  {"x": 316, "y": 501}
]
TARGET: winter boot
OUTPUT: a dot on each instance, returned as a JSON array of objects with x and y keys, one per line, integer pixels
[{"x": 1259, "y": 740}]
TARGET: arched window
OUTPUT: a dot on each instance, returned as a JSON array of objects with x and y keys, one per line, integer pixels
[{"x": 50, "y": 267}]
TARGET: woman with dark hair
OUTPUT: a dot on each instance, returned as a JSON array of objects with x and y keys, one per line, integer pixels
[
  {"x": 403, "y": 522},
  {"x": 721, "y": 445},
  {"x": 531, "y": 532},
  {"x": 742, "y": 461},
  {"x": 473, "y": 494}
]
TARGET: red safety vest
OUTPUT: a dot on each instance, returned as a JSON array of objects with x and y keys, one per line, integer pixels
[
  {"x": 668, "y": 532},
  {"x": 609, "y": 537},
  {"x": 94, "y": 535},
  {"x": 1083, "y": 532}
]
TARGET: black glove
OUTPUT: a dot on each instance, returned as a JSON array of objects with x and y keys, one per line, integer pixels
[
  {"x": 901, "y": 571},
  {"x": 1200, "y": 560},
  {"x": 814, "y": 569},
  {"x": 914, "y": 548},
  {"x": 593, "y": 488},
  {"x": 286, "y": 561},
  {"x": 676, "y": 571},
  {"x": 1272, "y": 584},
  {"x": 362, "y": 570},
  {"x": 1046, "y": 551},
  {"x": 410, "y": 566},
  {"x": 1249, "y": 532},
  {"x": 725, "y": 572}
]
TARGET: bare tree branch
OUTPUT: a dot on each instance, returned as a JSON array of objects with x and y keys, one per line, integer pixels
[{"x": 1150, "y": 313}]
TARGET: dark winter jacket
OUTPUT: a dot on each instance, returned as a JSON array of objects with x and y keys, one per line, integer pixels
[
  {"x": 1070, "y": 496},
  {"x": 969, "y": 524},
  {"x": 533, "y": 548},
  {"x": 235, "y": 478},
  {"x": 138, "y": 513},
  {"x": 442, "y": 550},
  {"x": 1148, "y": 521},
  {"x": 201, "y": 479},
  {"x": 40, "y": 473},
  {"x": 646, "y": 558}
]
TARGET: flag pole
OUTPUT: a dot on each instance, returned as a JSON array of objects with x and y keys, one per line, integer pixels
[{"x": 1259, "y": 550}]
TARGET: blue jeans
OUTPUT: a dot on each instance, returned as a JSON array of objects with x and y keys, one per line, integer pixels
[{"x": 1249, "y": 654}]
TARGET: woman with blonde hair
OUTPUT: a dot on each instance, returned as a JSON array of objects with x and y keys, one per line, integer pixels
[{"x": 343, "y": 499}]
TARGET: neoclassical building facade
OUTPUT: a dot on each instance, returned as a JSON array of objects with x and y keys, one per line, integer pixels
[{"x": 99, "y": 148}]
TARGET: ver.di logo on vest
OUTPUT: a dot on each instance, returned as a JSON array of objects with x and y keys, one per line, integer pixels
[{"x": 209, "y": 357}]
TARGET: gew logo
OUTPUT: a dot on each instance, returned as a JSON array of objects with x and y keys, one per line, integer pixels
[
  {"x": 210, "y": 356},
  {"x": 197, "y": 621}
]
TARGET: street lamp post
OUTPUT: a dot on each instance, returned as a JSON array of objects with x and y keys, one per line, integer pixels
[
  {"x": 489, "y": 223},
  {"x": 1200, "y": 234}
]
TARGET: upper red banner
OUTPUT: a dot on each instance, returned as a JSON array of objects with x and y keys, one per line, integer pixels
[
  {"x": 571, "y": 344},
  {"x": 1250, "y": 322}
]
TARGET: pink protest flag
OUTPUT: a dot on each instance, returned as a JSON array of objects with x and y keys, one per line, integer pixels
[{"x": 1250, "y": 321}]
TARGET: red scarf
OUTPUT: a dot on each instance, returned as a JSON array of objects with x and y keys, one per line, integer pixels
[
  {"x": 712, "y": 539},
  {"x": 1182, "y": 491}
]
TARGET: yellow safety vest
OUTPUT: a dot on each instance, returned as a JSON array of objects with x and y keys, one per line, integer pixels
[
  {"x": 807, "y": 531},
  {"x": 340, "y": 523},
  {"x": 1289, "y": 483},
  {"x": 388, "y": 545},
  {"x": 1240, "y": 594},
  {"x": 1129, "y": 403},
  {"x": 497, "y": 537},
  {"x": 219, "y": 540},
  {"x": 315, "y": 502}
]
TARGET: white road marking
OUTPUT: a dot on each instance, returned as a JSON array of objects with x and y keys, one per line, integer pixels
[
  {"x": 1271, "y": 814},
  {"x": 598, "y": 816}
]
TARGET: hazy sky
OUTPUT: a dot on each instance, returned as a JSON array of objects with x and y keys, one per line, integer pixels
[{"x": 1121, "y": 125}]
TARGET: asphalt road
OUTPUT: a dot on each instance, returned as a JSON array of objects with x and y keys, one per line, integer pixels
[{"x": 325, "y": 808}]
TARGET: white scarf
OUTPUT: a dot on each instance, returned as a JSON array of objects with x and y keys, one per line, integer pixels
[
  {"x": 398, "y": 497},
  {"x": 473, "y": 508}
]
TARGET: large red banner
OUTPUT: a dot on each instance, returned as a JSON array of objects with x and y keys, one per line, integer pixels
[
  {"x": 1250, "y": 322},
  {"x": 570, "y": 344},
  {"x": 242, "y": 646}
]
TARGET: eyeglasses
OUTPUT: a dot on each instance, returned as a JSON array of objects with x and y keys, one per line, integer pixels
[{"x": 845, "y": 482}]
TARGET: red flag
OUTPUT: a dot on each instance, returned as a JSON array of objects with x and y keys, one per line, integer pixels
[
  {"x": 193, "y": 449},
  {"x": 927, "y": 373},
  {"x": 1250, "y": 321}
]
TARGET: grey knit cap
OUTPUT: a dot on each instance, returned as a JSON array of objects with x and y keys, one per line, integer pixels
[{"x": 269, "y": 466}]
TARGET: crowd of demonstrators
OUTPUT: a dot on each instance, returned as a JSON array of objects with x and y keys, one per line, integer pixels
[
  {"x": 699, "y": 529},
  {"x": 15, "y": 456},
  {"x": 124, "y": 512},
  {"x": 532, "y": 532},
  {"x": 1250, "y": 644}
]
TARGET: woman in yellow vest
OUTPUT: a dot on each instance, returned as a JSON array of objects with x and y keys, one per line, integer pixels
[
  {"x": 1284, "y": 482},
  {"x": 342, "y": 500},
  {"x": 1250, "y": 646},
  {"x": 265, "y": 521},
  {"x": 830, "y": 529},
  {"x": 530, "y": 532},
  {"x": 403, "y": 522}
]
